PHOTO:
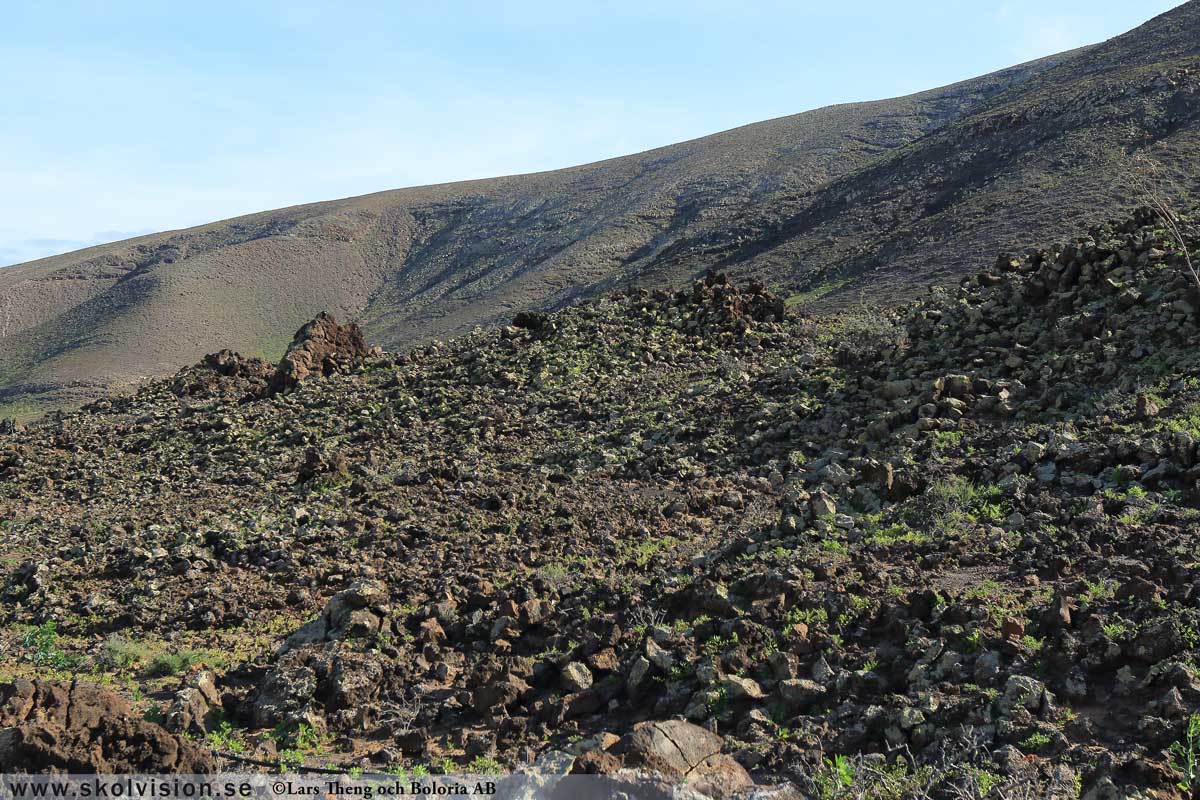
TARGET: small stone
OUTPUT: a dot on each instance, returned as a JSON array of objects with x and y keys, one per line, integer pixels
[
  {"x": 910, "y": 718},
  {"x": 738, "y": 688},
  {"x": 1146, "y": 407},
  {"x": 658, "y": 656},
  {"x": 552, "y": 762},
  {"x": 822, "y": 505},
  {"x": 1021, "y": 691},
  {"x": 637, "y": 673},
  {"x": 800, "y": 692},
  {"x": 576, "y": 677},
  {"x": 701, "y": 704}
]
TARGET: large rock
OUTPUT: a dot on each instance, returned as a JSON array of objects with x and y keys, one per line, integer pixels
[
  {"x": 319, "y": 348},
  {"x": 313, "y": 675},
  {"x": 576, "y": 677},
  {"x": 195, "y": 707},
  {"x": 358, "y": 611},
  {"x": 323, "y": 686},
  {"x": 681, "y": 752},
  {"x": 80, "y": 728}
]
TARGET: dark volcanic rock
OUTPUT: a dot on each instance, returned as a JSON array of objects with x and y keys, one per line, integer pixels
[
  {"x": 224, "y": 374},
  {"x": 321, "y": 347},
  {"x": 80, "y": 728},
  {"x": 667, "y": 505}
]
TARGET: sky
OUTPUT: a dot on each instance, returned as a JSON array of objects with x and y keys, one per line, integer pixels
[{"x": 123, "y": 118}]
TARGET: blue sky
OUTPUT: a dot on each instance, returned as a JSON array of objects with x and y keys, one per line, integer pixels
[{"x": 122, "y": 118}]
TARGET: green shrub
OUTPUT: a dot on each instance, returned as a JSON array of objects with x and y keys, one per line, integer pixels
[
  {"x": 123, "y": 653},
  {"x": 224, "y": 738},
  {"x": 43, "y": 650},
  {"x": 481, "y": 765},
  {"x": 1035, "y": 742},
  {"x": 166, "y": 664}
]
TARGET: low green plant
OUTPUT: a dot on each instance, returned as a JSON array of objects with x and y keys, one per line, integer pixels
[
  {"x": 642, "y": 552},
  {"x": 807, "y": 616},
  {"x": 224, "y": 738},
  {"x": 1115, "y": 628},
  {"x": 717, "y": 645},
  {"x": 167, "y": 664},
  {"x": 956, "y": 502},
  {"x": 1035, "y": 742},
  {"x": 482, "y": 765},
  {"x": 155, "y": 714},
  {"x": 124, "y": 653},
  {"x": 291, "y": 758},
  {"x": 1098, "y": 590},
  {"x": 945, "y": 440},
  {"x": 1186, "y": 421},
  {"x": 895, "y": 533},
  {"x": 1185, "y": 756},
  {"x": 985, "y": 780},
  {"x": 41, "y": 644},
  {"x": 307, "y": 744},
  {"x": 836, "y": 775}
]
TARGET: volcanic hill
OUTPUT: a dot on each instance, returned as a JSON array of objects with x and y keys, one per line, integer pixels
[{"x": 882, "y": 197}]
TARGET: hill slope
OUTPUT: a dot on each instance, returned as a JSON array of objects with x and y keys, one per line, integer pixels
[
  {"x": 429, "y": 261},
  {"x": 964, "y": 532},
  {"x": 885, "y": 195}
]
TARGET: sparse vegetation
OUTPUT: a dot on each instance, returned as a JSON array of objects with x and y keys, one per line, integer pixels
[
  {"x": 42, "y": 647},
  {"x": 165, "y": 664},
  {"x": 1185, "y": 756},
  {"x": 712, "y": 515}
]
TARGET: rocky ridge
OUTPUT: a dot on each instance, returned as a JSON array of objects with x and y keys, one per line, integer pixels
[{"x": 948, "y": 545}]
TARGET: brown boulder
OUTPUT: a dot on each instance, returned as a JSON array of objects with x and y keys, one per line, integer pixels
[
  {"x": 52, "y": 726},
  {"x": 1146, "y": 407},
  {"x": 680, "y": 752},
  {"x": 321, "y": 347}
]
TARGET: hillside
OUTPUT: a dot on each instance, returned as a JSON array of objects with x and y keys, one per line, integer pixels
[
  {"x": 423, "y": 262},
  {"x": 961, "y": 534},
  {"x": 883, "y": 196}
]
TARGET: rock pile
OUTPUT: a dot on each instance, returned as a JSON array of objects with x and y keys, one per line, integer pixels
[
  {"x": 970, "y": 535},
  {"x": 316, "y": 680},
  {"x": 224, "y": 374}
]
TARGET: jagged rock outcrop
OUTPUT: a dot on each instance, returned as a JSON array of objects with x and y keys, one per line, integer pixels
[
  {"x": 50, "y": 726},
  {"x": 314, "y": 677},
  {"x": 360, "y": 610},
  {"x": 321, "y": 347}
]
